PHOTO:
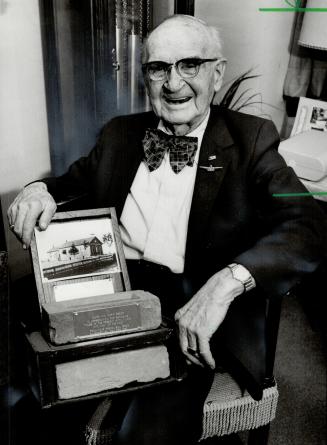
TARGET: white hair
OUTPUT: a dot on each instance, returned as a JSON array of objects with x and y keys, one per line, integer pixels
[{"x": 212, "y": 33}]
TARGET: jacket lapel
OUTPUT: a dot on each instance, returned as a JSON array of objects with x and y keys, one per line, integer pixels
[
  {"x": 215, "y": 143},
  {"x": 127, "y": 175},
  {"x": 129, "y": 158},
  {"x": 213, "y": 153}
]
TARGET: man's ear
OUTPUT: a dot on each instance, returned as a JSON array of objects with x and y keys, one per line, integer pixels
[{"x": 219, "y": 73}]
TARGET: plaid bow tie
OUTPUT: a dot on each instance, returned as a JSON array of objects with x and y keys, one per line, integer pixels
[{"x": 181, "y": 149}]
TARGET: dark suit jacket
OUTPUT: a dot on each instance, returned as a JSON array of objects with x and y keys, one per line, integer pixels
[{"x": 234, "y": 216}]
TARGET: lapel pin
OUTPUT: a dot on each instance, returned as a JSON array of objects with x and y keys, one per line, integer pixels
[
  {"x": 212, "y": 158},
  {"x": 210, "y": 168}
]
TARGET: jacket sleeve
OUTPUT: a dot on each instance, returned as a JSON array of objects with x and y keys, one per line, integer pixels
[
  {"x": 79, "y": 180},
  {"x": 294, "y": 242}
]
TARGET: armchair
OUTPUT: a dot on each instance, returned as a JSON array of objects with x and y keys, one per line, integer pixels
[{"x": 248, "y": 337}]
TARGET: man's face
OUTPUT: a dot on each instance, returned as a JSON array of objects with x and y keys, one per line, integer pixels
[{"x": 178, "y": 101}]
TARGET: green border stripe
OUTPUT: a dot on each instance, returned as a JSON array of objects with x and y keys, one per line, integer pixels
[
  {"x": 285, "y": 195},
  {"x": 293, "y": 9}
]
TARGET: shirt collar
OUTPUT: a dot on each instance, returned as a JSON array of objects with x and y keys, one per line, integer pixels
[{"x": 198, "y": 132}]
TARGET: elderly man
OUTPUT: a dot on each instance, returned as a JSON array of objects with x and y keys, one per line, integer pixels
[{"x": 199, "y": 221}]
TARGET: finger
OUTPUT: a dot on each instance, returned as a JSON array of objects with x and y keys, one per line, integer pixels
[
  {"x": 194, "y": 360},
  {"x": 181, "y": 311},
  {"x": 33, "y": 212},
  {"x": 192, "y": 341},
  {"x": 205, "y": 353},
  {"x": 193, "y": 357},
  {"x": 192, "y": 350},
  {"x": 178, "y": 314},
  {"x": 11, "y": 213},
  {"x": 183, "y": 341},
  {"x": 19, "y": 220},
  {"x": 47, "y": 215},
  {"x": 29, "y": 225}
]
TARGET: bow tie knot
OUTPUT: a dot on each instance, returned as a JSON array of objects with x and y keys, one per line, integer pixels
[{"x": 181, "y": 149}]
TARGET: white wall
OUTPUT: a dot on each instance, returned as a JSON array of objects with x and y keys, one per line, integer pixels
[
  {"x": 254, "y": 39},
  {"x": 24, "y": 146}
]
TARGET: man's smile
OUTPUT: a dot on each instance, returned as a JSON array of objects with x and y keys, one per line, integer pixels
[
  {"x": 177, "y": 100},
  {"x": 181, "y": 83}
]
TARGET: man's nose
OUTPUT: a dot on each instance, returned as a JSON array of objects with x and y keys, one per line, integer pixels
[{"x": 174, "y": 81}]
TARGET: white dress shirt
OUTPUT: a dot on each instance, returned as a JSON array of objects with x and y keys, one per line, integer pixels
[{"x": 155, "y": 216}]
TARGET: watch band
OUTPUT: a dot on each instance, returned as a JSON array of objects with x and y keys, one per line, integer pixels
[{"x": 241, "y": 274}]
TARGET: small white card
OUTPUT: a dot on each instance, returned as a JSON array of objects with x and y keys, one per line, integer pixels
[{"x": 86, "y": 289}]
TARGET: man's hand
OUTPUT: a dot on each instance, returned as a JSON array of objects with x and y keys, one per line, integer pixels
[
  {"x": 33, "y": 202},
  {"x": 199, "y": 319}
]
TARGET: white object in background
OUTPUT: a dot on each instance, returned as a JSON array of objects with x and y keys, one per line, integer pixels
[
  {"x": 311, "y": 115},
  {"x": 313, "y": 31},
  {"x": 318, "y": 189},
  {"x": 306, "y": 153}
]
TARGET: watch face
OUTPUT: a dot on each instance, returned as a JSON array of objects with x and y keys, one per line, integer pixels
[{"x": 241, "y": 273}]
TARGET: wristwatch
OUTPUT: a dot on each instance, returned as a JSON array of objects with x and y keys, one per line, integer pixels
[{"x": 241, "y": 274}]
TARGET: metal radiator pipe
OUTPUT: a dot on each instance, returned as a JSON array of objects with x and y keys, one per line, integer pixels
[
  {"x": 134, "y": 48},
  {"x": 119, "y": 67}
]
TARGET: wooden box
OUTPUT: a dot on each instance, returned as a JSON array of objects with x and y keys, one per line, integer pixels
[
  {"x": 80, "y": 255},
  {"x": 82, "y": 281},
  {"x": 97, "y": 368},
  {"x": 85, "y": 302}
]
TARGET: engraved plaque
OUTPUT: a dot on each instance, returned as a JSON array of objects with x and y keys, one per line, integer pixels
[
  {"x": 112, "y": 319},
  {"x": 100, "y": 316}
]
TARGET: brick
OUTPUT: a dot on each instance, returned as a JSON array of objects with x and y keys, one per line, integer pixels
[
  {"x": 110, "y": 371},
  {"x": 103, "y": 316}
]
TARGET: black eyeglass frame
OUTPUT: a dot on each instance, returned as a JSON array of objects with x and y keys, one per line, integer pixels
[{"x": 167, "y": 66}]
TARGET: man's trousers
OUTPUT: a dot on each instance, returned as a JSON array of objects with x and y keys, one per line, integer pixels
[{"x": 166, "y": 414}]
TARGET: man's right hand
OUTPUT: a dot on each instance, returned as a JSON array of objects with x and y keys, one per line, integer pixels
[{"x": 33, "y": 203}]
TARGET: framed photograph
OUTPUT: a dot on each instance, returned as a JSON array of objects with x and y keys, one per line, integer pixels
[
  {"x": 311, "y": 115},
  {"x": 80, "y": 255}
]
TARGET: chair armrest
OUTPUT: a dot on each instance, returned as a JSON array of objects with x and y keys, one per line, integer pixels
[{"x": 247, "y": 340}]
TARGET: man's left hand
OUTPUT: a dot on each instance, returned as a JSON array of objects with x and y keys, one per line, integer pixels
[{"x": 199, "y": 319}]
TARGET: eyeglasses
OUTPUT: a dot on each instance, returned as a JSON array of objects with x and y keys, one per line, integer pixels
[{"x": 186, "y": 68}]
